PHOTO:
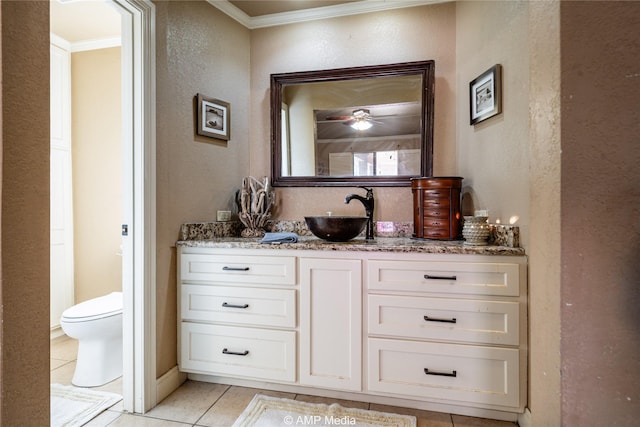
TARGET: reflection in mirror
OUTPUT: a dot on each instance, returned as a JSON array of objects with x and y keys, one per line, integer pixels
[
  {"x": 355, "y": 126},
  {"x": 368, "y": 140}
]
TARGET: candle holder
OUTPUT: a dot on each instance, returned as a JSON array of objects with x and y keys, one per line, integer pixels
[{"x": 475, "y": 230}]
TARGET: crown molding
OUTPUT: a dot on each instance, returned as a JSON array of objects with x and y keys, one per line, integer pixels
[
  {"x": 345, "y": 9},
  {"x": 232, "y": 11},
  {"x": 81, "y": 46},
  {"x": 56, "y": 40}
]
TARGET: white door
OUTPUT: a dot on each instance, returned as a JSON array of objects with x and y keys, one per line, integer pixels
[
  {"x": 61, "y": 259},
  {"x": 138, "y": 246},
  {"x": 331, "y": 323}
]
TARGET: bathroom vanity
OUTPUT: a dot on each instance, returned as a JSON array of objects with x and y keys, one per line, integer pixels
[{"x": 430, "y": 325}]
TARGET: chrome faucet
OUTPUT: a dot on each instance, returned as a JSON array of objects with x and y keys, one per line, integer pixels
[{"x": 368, "y": 203}]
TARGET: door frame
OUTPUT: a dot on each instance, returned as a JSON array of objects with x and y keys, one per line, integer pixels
[{"x": 139, "y": 246}]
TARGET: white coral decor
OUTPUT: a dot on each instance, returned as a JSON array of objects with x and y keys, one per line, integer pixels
[{"x": 256, "y": 200}]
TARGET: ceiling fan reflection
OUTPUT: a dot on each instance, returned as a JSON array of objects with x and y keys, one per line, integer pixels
[{"x": 361, "y": 119}]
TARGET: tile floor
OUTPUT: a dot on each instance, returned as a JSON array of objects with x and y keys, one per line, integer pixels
[{"x": 216, "y": 405}]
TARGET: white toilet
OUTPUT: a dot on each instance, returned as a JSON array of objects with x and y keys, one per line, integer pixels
[{"x": 97, "y": 325}]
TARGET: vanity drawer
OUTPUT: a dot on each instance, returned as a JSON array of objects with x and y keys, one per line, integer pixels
[
  {"x": 276, "y": 270},
  {"x": 237, "y": 351},
  {"x": 474, "y": 321},
  {"x": 465, "y": 373},
  {"x": 479, "y": 278},
  {"x": 241, "y": 305}
]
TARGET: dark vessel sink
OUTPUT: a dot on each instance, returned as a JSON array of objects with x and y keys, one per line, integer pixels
[{"x": 336, "y": 228}]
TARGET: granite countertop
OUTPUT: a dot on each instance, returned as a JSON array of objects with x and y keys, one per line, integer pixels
[
  {"x": 379, "y": 244},
  {"x": 390, "y": 237}
]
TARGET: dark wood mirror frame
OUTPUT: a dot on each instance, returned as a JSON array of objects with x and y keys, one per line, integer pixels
[{"x": 278, "y": 81}]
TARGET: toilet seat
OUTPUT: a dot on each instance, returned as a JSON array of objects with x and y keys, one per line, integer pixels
[{"x": 93, "y": 309}]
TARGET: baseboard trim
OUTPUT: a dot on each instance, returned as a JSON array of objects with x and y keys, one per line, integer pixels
[
  {"x": 524, "y": 419},
  {"x": 56, "y": 332},
  {"x": 168, "y": 383}
]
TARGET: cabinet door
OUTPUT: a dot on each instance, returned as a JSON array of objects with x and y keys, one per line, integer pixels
[{"x": 331, "y": 323}]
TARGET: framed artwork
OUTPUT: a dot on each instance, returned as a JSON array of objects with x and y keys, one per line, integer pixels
[
  {"x": 213, "y": 118},
  {"x": 485, "y": 93}
]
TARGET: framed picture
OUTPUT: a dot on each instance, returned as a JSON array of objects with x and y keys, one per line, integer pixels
[
  {"x": 213, "y": 118},
  {"x": 485, "y": 93}
]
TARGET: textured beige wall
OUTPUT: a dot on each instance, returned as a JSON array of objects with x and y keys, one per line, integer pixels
[
  {"x": 492, "y": 156},
  {"x": 600, "y": 213},
  {"x": 24, "y": 210},
  {"x": 402, "y": 35},
  {"x": 511, "y": 162},
  {"x": 97, "y": 171},
  {"x": 544, "y": 184},
  {"x": 198, "y": 50}
]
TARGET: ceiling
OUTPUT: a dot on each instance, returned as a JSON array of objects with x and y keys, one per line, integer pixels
[
  {"x": 254, "y": 8},
  {"x": 81, "y": 21}
]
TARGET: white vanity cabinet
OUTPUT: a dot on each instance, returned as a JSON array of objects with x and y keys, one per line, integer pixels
[
  {"x": 451, "y": 329},
  {"x": 431, "y": 331},
  {"x": 238, "y": 314}
]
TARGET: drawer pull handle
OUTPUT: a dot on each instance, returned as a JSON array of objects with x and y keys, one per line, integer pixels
[
  {"x": 436, "y": 319},
  {"x": 226, "y": 304},
  {"x": 235, "y": 353},
  {"x": 441, "y": 374},
  {"x": 225, "y": 268},
  {"x": 429, "y": 276}
]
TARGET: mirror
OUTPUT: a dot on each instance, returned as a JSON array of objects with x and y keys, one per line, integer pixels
[{"x": 352, "y": 126}]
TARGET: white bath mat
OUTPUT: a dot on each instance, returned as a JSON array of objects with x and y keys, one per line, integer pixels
[
  {"x": 73, "y": 406},
  {"x": 267, "y": 411}
]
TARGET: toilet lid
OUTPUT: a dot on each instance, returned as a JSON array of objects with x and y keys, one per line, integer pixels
[{"x": 104, "y": 306}]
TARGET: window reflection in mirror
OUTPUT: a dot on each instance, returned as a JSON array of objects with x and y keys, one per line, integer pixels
[{"x": 367, "y": 125}]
